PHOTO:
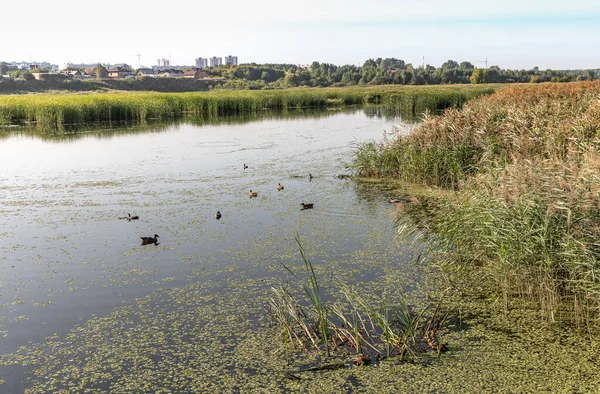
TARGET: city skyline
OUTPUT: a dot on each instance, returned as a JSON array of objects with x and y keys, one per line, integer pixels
[{"x": 512, "y": 35}]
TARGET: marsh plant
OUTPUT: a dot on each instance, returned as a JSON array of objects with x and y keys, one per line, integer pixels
[
  {"x": 373, "y": 327},
  {"x": 518, "y": 193},
  {"x": 60, "y": 109}
]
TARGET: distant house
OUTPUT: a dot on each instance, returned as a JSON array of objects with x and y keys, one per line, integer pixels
[
  {"x": 72, "y": 73},
  {"x": 171, "y": 74},
  {"x": 120, "y": 71},
  {"x": 195, "y": 74},
  {"x": 146, "y": 72}
]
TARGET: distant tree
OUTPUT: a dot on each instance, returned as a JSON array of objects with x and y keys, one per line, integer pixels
[
  {"x": 100, "y": 71},
  {"x": 14, "y": 74},
  {"x": 449, "y": 65},
  {"x": 370, "y": 63},
  {"x": 28, "y": 76},
  {"x": 3, "y": 68},
  {"x": 39, "y": 70},
  {"x": 479, "y": 76},
  {"x": 407, "y": 77},
  {"x": 466, "y": 66},
  {"x": 590, "y": 75}
]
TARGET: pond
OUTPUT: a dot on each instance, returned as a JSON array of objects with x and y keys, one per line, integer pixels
[
  {"x": 66, "y": 257},
  {"x": 85, "y": 307}
]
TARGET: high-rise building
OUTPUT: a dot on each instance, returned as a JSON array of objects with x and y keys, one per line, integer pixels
[
  {"x": 201, "y": 62},
  {"x": 231, "y": 60},
  {"x": 163, "y": 62},
  {"x": 216, "y": 61}
]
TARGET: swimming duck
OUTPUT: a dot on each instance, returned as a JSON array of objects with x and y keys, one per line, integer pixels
[
  {"x": 218, "y": 215},
  {"x": 253, "y": 194},
  {"x": 306, "y": 206},
  {"x": 136, "y": 217},
  {"x": 279, "y": 187},
  {"x": 150, "y": 240},
  {"x": 245, "y": 166}
]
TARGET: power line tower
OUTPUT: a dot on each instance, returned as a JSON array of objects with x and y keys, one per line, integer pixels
[
  {"x": 139, "y": 58},
  {"x": 483, "y": 61}
]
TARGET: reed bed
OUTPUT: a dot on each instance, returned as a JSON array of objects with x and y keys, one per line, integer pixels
[
  {"x": 525, "y": 165},
  {"x": 59, "y": 109}
]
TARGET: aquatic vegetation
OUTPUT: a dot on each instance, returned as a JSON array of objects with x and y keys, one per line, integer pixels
[
  {"x": 525, "y": 164},
  {"x": 359, "y": 325},
  {"x": 60, "y": 109}
]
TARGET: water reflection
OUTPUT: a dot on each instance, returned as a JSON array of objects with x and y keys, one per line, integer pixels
[{"x": 107, "y": 130}]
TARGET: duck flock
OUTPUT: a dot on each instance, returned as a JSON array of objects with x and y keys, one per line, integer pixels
[{"x": 218, "y": 215}]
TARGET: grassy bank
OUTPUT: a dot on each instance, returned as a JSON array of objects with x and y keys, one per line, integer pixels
[
  {"x": 56, "y": 109},
  {"x": 524, "y": 216}
]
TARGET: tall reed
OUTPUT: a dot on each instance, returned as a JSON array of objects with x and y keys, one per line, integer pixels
[
  {"x": 57, "y": 109},
  {"x": 525, "y": 162}
]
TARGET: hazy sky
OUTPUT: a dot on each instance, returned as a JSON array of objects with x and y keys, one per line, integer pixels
[{"x": 509, "y": 33}]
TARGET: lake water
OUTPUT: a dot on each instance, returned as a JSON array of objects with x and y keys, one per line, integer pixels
[{"x": 66, "y": 257}]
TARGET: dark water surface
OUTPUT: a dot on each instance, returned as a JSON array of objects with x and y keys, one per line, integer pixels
[{"x": 65, "y": 257}]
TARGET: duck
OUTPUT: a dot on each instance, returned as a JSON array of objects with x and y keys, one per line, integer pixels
[
  {"x": 279, "y": 187},
  {"x": 253, "y": 194},
  {"x": 306, "y": 206},
  {"x": 136, "y": 217},
  {"x": 150, "y": 240},
  {"x": 245, "y": 166},
  {"x": 310, "y": 176},
  {"x": 218, "y": 215}
]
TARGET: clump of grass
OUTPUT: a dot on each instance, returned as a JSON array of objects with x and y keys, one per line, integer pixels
[
  {"x": 525, "y": 162},
  {"x": 356, "y": 324}
]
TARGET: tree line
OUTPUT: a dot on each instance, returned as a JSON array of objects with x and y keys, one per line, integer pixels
[
  {"x": 383, "y": 72},
  {"x": 373, "y": 72}
]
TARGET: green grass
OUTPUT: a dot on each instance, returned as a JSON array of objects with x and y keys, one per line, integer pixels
[{"x": 59, "y": 109}]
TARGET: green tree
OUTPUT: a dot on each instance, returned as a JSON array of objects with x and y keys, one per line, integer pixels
[
  {"x": 14, "y": 74},
  {"x": 28, "y": 76},
  {"x": 100, "y": 71},
  {"x": 3, "y": 68},
  {"x": 449, "y": 65},
  {"x": 590, "y": 75},
  {"x": 479, "y": 76}
]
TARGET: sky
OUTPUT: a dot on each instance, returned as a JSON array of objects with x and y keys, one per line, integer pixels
[{"x": 513, "y": 34}]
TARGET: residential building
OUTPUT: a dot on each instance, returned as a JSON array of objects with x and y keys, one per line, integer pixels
[
  {"x": 146, "y": 72},
  {"x": 216, "y": 61},
  {"x": 172, "y": 73},
  {"x": 202, "y": 62},
  {"x": 81, "y": 66},
  {"x": 31, "y": 66},
  {"x": 120, "y": 71},
  {"x": 196, "y": 74},
  {"x": 231, "y": 60}
]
